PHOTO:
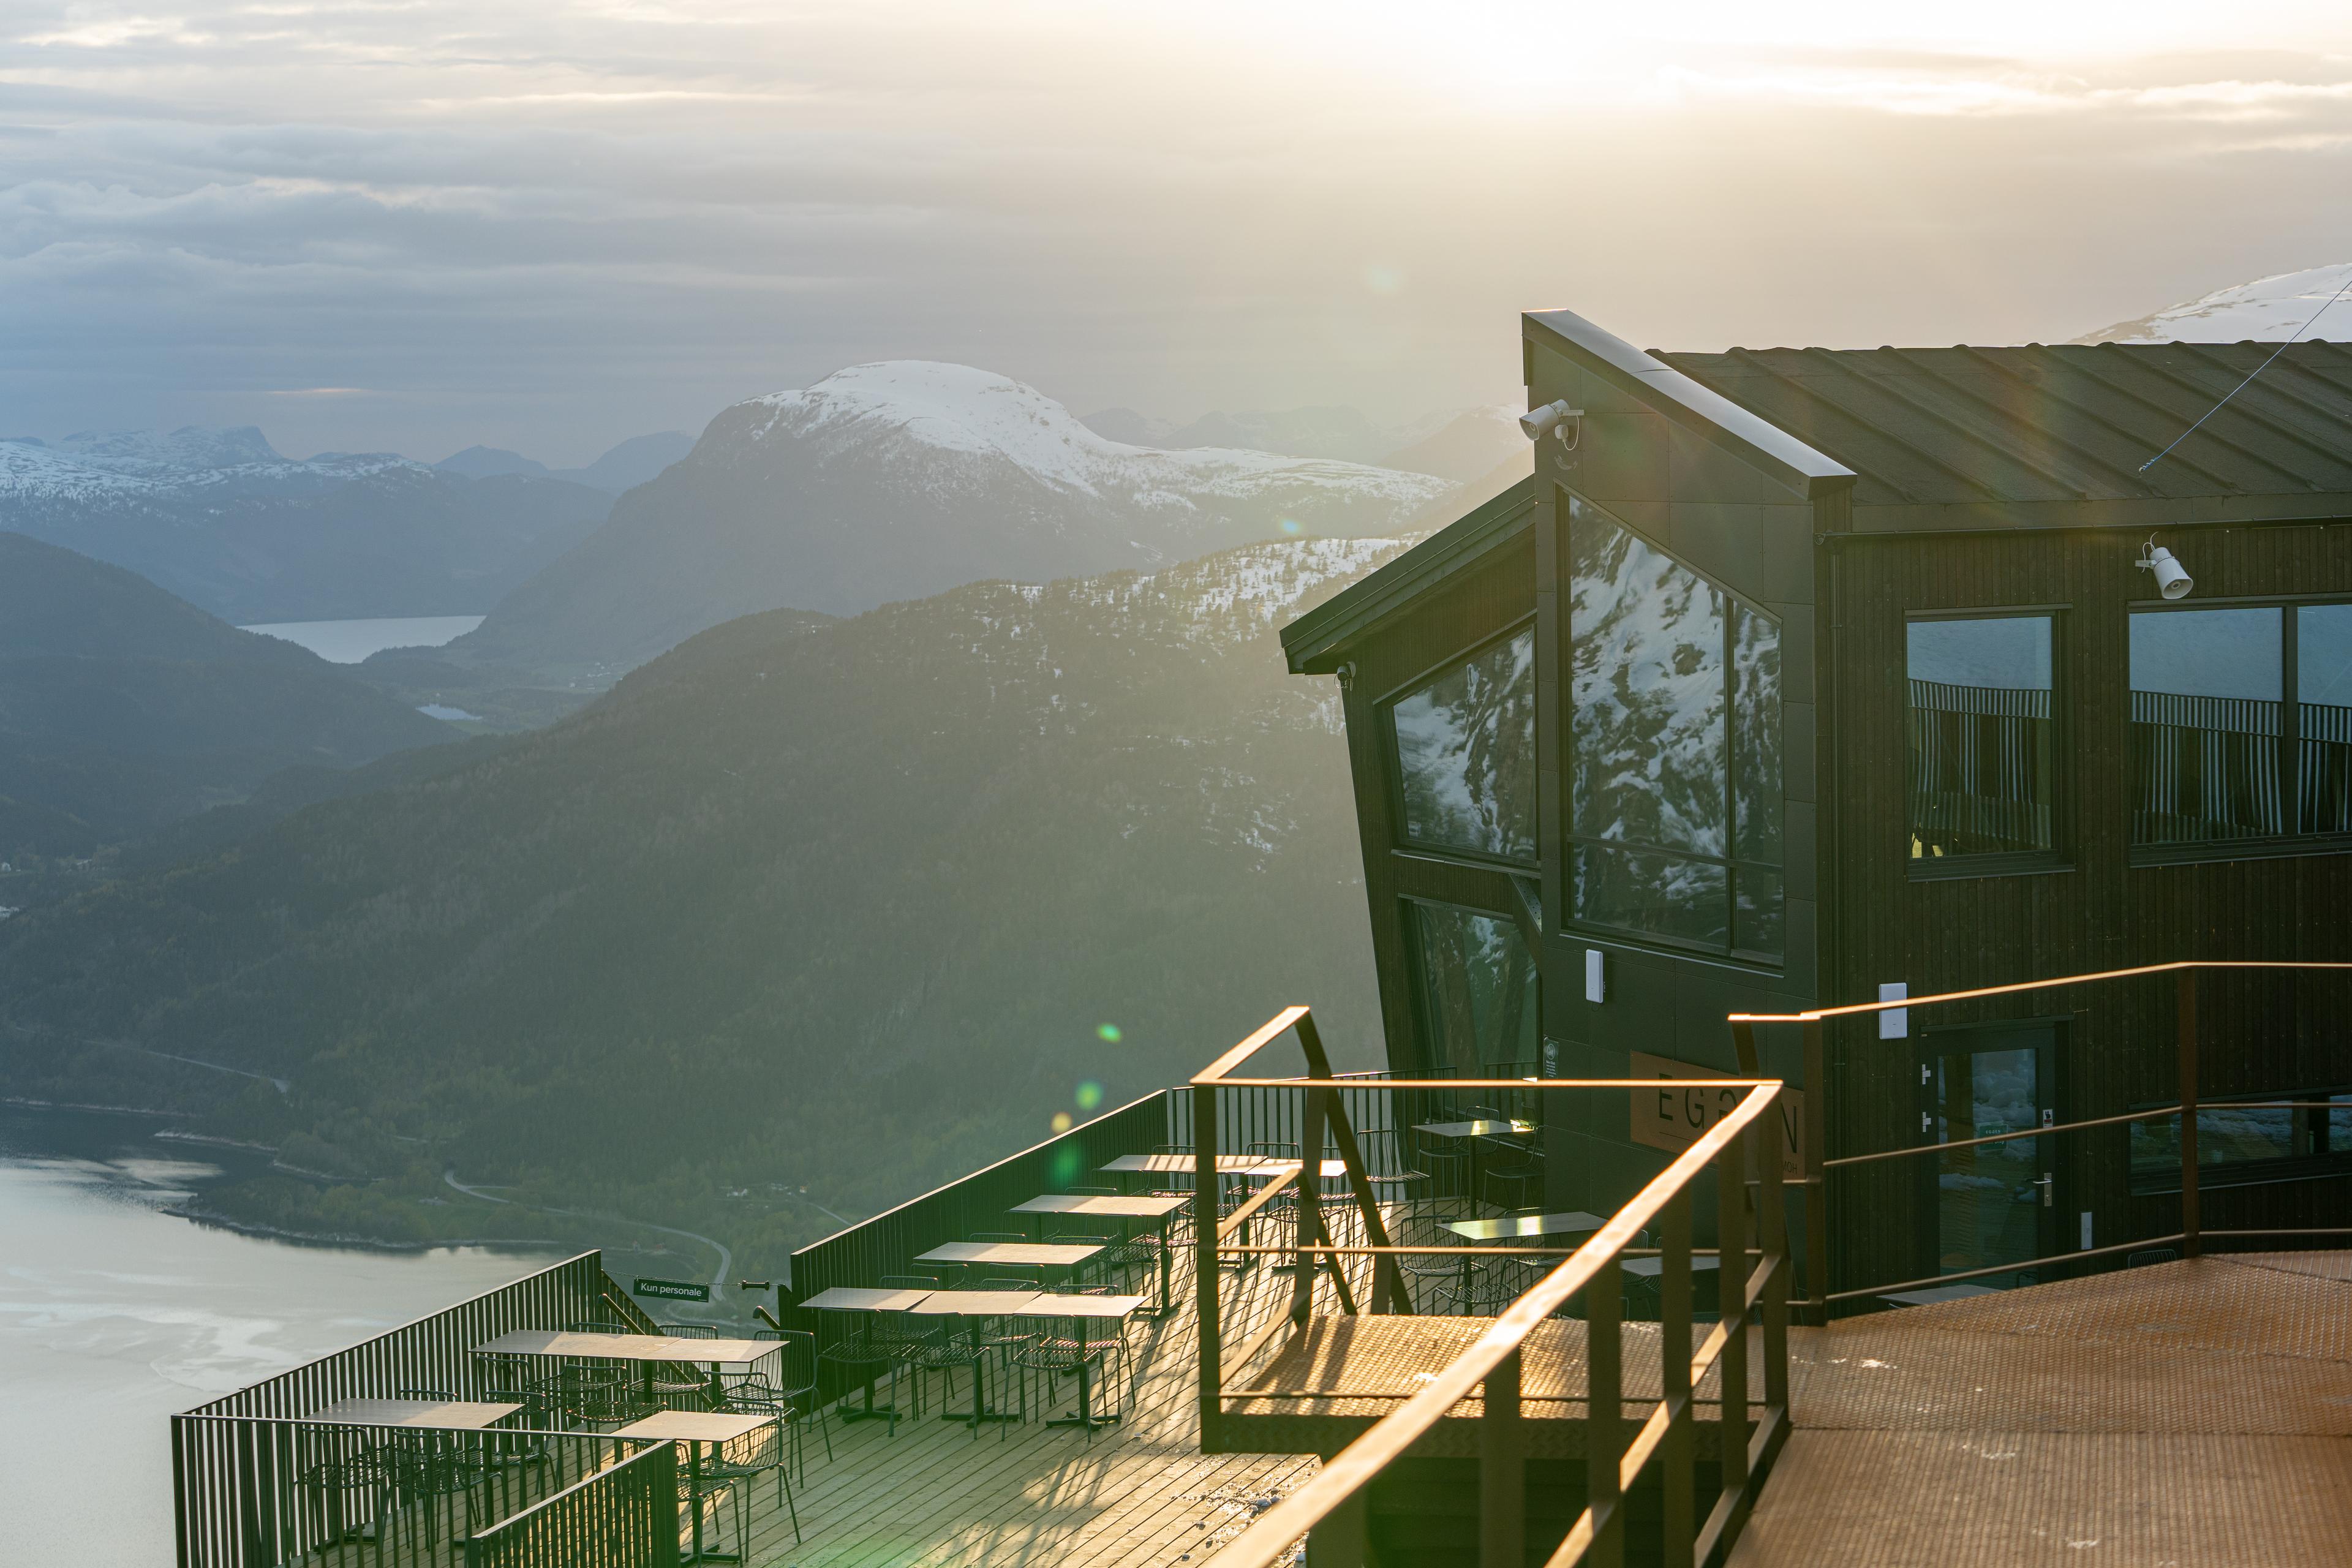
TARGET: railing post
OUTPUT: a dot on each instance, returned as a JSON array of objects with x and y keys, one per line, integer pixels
[
  {"x": 1772, "y": 1241},
  {"x": 1680, "y": 1526},
  {"x": 1502, "y": 1472},
  {"x": 2184, "y": 1008},
  {"x": 1817, "y": 1184},
  {"x": 1205, "y": 1188},
  {"x": 1604, "y": 1410},
  {"x": 1731, "y": 1297}
]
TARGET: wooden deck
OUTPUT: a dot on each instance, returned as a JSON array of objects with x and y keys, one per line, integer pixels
[
  {"x": 1137, "y": 1493},
  {"x": 2197, "y": 1414}
]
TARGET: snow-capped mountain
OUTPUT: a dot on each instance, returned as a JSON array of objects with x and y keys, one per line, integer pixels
[
  {"x": 220, "y": 517},
  {"x": 899, "y": 479},
  {"x": 2266, "y": 310}
]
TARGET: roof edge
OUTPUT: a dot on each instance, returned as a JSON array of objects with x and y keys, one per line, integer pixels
[
  {"x": 1316, "y": 642},
  {"x": 1747, "y": 436}
]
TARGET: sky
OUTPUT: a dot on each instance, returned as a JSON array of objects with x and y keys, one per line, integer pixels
[{"x": 416, "y": 224}]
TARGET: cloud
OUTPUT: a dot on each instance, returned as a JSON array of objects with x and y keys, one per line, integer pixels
[{"x": 424, "y": 224}]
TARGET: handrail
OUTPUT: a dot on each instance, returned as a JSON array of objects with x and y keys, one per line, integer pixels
[
  {"x": 1817, "y": 1166},
  {"x": 1492, "y": 1359},
  {"x": 1855, "y": 1009}
]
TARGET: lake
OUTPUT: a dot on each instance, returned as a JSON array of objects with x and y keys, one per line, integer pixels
[
  {"x": 113, "y": 1315},
  {"x": 348, "y": 642}
]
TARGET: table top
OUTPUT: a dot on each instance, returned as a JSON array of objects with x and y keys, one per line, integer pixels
[
  {"x": 1525, "y": 1226},
  {"x": 1096, "y": 1203},
  {"x": 627, "y": 1347},
  {"x": 694, "y": 1426},
  {"x": 973, "y": 1303},
  {"x": 1081, "y": 1306},
  {"x": 1020, "y": 1254},
  {"x": 1651, "y": 1267},
  {"x": 1483, "y": 1127},
  {"x": 446, "y": 1414},
  {"x": 1232, "y": 1164},
  {"x": 863, "y": 1299}
]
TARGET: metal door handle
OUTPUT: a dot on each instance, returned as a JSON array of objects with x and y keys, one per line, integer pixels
[{"x": 2045, "y": 1184}]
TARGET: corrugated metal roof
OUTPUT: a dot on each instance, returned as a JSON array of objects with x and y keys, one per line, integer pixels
[{"x": 2071, "y": 423}]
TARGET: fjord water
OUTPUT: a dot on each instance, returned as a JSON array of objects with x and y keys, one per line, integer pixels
[
  {"x": 114, "y": 1314},
  {"x": 349, "y": 642}
]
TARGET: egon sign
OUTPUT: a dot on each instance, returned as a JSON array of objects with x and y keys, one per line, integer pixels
[{"x": 1682, "y": 1107}]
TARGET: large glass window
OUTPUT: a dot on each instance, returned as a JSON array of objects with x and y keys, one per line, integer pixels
[
  {"x": 1676, "y": 798},
  {"x": 1466, "y": 752},
  {"x": 2245, "y": 1143},
  {"x": 1978, "y": 728},
  {"x": 2240, "y": 724},
  {"x": 1477, "y": 988}
]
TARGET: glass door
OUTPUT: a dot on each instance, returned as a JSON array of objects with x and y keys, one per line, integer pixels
[{"x": 1988, "y": 1204}]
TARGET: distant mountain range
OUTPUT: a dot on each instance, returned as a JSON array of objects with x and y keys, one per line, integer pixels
[
  {"x": 792, "y": 894},
  {"x": 2266, "y": 310},
  {"x": 221, "y": 520},
  {"x": 1462, "y": 447},
  {"x": 892, "y": 481},
  {"x": 624, "y": 467},
  {"x": 123, "y": 708}
]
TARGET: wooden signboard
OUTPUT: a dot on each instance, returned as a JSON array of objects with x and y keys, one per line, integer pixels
[{"x": 1684, "y": 1107}]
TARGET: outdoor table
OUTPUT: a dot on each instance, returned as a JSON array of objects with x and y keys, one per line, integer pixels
[
  {"x": 1120, "y": 1209},
  {"x": 1051, "y": 1307},
  {"x": 435, "y": 1415},
  {"x": 1651, "y": 1267},
  {"x": 975, "y": 1304},
  {"x": 862, "y": 1298},
  {"x": 867, "y": 1300},
  {"x": 1016, "y": 1254},
  {"x": 1519, "y": 1227},
  {"x": 1483, "y": 1127},
  {"x": 696, "y": 1429},
  {"x": 646, "y": 1349}
]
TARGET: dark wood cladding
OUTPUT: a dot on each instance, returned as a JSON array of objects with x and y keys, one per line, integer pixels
[{"x": 2260, "y": 1033}]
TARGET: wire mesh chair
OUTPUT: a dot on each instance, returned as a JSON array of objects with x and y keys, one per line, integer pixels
[
  {"x": 738, "y": 1465},
  {"x": 1072, "y": 1347}
]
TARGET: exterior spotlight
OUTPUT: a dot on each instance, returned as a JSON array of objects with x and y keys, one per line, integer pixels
[
  {"x": 2172, "y": 580},
  {"x": 1551, "y": 419}
]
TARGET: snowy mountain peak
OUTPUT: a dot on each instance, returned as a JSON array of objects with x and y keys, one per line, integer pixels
[
  {"x": 2267, "y": 310},
  {"x": 953, "y": 407},
  {"x": 192, "y": 449}
]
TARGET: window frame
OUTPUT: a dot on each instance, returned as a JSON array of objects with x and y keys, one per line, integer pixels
[
  {"x": 1392, "y": 759},
  {"x": 2269, "y": 846},
  {"x": 2153, "y": 1182},
  {"x": 1424, "y": 1022},
  {"x": 2060, "y": 855},
  {"x": 1571, "y": 841}
]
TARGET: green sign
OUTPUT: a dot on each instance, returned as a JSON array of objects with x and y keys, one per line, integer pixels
[{"x": 671, "y": 1289}]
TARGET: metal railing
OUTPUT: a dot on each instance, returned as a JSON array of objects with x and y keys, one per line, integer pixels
[
  {"x": 261, "y": 1489},
  {"x": 234, "y": 1478},
  {"x": 622, "y": 1517},
  {"x": 1753, "y": 1249},
  {"x": 2193, "y": 1233}
]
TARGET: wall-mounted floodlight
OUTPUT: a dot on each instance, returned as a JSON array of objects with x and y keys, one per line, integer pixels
[
  {"x": 2172, "y": 579},
  {"x": 1553, "y": 419}
]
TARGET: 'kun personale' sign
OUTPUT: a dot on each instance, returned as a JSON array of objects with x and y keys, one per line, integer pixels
[
  {"x": 671, "y": 1289},
  {"x": 1682, "y": 1106}
]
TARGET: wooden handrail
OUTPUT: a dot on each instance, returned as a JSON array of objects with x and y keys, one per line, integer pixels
[{"x": 1353, "y": 1467}]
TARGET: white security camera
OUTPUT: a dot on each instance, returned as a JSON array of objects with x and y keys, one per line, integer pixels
[
  {"x": 2172, "y": 579},
  {"x": 1547, "y": 419}
]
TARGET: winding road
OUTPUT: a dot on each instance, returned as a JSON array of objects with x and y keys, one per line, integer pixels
[{"x": 726, "y": 1260}]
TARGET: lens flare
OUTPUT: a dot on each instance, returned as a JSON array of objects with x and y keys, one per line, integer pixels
[
  {"x": 1062, "y": 1123},
  {"x": 1090, "y": 1094},
  {"x": 1106, "y": 1033}
]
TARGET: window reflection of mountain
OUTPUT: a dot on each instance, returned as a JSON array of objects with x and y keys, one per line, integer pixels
[
  {"x": 1478, "y": 987},
  {"x": 1465, "y": 753}
]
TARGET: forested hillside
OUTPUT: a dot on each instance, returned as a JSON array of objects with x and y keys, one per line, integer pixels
[{"x": 843, "y": 907}]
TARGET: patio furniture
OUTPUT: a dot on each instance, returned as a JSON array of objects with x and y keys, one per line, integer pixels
[
  {"x": 1020, "y": 1254},
  {"x": 1517, "y": 1181},
  {"x": 1072, "y": 1340},
  {"x": 738, "y": 1465},
  {"x": 696, "y": 1430},
  {"x": 960, "y": 1338},
  {"x": 858, "y": 1355}
]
